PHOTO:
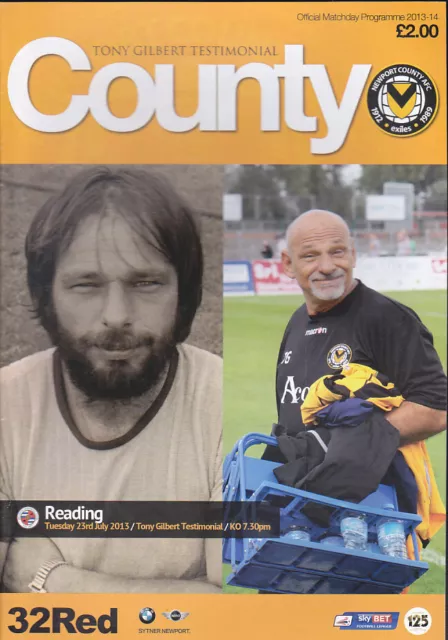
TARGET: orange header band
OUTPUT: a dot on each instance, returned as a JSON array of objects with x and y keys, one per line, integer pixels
[{"x": 307, "y": 83}]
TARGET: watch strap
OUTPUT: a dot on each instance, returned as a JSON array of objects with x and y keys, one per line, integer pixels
[{"x": 37, "y": 584}]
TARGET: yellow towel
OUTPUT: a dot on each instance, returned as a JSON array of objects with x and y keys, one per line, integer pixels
[
  {"x": 356, "y": 380},
  {"x": 429, "y": 506}
]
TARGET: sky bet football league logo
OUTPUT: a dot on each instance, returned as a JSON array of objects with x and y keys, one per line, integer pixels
[
  {"x": 402, "y": 100},
  {"x": 367, "y": 620}
]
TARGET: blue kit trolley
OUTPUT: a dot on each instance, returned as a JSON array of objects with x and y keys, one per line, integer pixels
[{"x": 283, "y": 565}]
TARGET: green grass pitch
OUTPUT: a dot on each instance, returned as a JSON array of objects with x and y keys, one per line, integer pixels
[{"x": 253, "y": 328}]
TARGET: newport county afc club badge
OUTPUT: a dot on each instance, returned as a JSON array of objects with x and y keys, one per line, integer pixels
[
  {"x": 402, "y": 100},
  {"x": 339, "y": 356}
]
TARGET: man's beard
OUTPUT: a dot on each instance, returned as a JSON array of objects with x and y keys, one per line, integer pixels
[
  {"x": 332, "y": 293},
  {"x": 116, "y": 379}
]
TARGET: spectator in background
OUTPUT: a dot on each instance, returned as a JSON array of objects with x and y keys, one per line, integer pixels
[
  {"x": 281, "y": 245},
  {"x": 404, "y": 247},
  {"x": 267, "y": 251},
  {"x": 374, "y": 245}
]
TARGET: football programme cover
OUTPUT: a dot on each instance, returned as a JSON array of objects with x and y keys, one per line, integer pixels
[{"x": 223, "y": 254}]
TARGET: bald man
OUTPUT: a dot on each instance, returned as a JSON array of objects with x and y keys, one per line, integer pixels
[{"x": 344, "y": 321}]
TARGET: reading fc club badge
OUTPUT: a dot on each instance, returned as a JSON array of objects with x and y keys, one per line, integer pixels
[
  {"x": 27, "y": 517},
  {"x": 339, "y": 356},
  {"x": 402, "y": 100}
]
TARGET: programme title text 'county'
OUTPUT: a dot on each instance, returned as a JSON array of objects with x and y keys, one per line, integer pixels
[{"x": 217, "y": 103}]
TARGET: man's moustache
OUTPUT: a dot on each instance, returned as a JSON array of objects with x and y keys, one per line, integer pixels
[
  {"x": 121, "y": 344},
  {"x": 332, "y": 277}
]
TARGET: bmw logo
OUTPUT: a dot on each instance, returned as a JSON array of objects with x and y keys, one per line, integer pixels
[{"x": 147, "y": 615}]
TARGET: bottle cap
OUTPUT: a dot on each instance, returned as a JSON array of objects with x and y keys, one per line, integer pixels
[{"x": 355, "y": 514}]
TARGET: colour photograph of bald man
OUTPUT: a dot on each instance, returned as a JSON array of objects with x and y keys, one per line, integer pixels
[
  {"x": 369, "y": 327},
  {"x": 323, "y": 317},
  {"x": 344, "y": 323}
]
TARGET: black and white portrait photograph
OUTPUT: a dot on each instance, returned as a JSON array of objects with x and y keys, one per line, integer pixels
[{"x": 111, "y": 379}]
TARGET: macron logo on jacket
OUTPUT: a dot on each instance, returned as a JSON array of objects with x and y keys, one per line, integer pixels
[{"x": 313, "y": 332}]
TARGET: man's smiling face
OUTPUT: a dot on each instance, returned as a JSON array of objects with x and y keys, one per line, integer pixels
[{"x": 320, "y": 256}]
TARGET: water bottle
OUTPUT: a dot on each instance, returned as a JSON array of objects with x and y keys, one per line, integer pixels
[
  {"x": 335, "y": 541},
  {"x": 391, "y": 536},
  {"x": 296, "y": 532},
  {"x": 354, "y": 531},
  {"x": 254, "y": 545}
]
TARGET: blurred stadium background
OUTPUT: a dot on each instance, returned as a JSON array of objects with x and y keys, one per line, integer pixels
[
  {"x": 267, "y": 198},
  {"x": 270, "y": 197}
]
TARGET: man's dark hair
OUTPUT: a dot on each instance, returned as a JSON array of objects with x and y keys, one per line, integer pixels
[{"x": 151, "y": 207}]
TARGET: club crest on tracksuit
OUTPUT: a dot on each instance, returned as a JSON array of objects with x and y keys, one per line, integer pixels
[{"x": 339, "y": 356}]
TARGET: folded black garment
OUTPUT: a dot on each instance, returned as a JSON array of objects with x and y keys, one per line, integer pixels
[
  {"x": 271, "y": 453},
  {"x": 355, "y": 463},
  {"x": 302, "y": 452},
  {"x": 400, "y": 476}
]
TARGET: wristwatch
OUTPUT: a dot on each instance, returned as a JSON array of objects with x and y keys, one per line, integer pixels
[{"x": 37, "y": 584}]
